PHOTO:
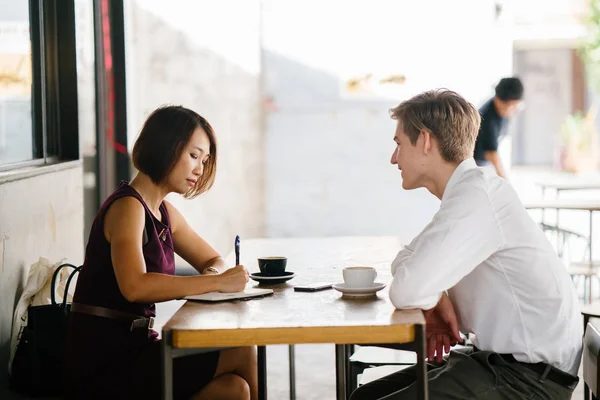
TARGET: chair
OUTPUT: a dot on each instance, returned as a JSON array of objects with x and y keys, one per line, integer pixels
[
  {"x": 563, "y": 239},
  {"x": 369, "y": 356},
  {"x": 589, "y": 270},
  {"x": 591, "y": 367},
  {"x": 589, "y": 311},
  {"x": 567, "y": 241},
  {"x": 371, "y": 374}
]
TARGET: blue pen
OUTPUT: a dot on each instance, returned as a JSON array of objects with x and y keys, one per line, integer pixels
[{"x": 237, "y": 250}]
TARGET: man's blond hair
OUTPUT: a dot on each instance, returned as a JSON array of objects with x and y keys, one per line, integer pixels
[{"x": 447, "y": 116}]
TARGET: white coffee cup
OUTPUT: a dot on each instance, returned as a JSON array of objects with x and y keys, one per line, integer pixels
[{"x": 359, "y": 277}]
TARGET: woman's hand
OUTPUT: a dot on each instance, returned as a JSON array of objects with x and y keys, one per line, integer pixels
[{"x": 233, "y": 280}]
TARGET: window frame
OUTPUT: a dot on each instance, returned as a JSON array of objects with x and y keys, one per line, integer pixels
[{"x": 55, "y": 125}]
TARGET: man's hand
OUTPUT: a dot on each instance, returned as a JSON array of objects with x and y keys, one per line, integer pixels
[{"x": 442, "y": 329}]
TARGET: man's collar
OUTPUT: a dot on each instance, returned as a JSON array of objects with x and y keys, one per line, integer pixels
[{"x": 460, "y": 170}]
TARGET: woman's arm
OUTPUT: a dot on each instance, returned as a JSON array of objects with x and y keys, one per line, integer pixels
[
  {"x": 191, "y": 247},
  {"x": 123, "y": 227}
]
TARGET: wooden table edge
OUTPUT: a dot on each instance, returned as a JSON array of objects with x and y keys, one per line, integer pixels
[{"x": 181, "y": 338}]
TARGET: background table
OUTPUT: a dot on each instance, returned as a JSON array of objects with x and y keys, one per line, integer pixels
[{"x": 570, "y": 204}]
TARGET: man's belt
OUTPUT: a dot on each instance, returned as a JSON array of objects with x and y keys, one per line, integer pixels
[{"x": 547, "y": 371}]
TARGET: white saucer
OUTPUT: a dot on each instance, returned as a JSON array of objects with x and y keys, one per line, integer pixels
[
  {"x": 272, "y": 279},
  {"x": 359, "y": 292}
]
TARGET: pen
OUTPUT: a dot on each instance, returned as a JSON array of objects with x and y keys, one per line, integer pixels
[{"x": 237, "y": 250}]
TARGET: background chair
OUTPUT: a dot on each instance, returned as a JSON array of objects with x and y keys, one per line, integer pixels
[{"x": 591, "y": 369}]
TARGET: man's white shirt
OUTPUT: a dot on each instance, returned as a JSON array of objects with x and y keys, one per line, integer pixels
[{"x": 507, "y": 284}]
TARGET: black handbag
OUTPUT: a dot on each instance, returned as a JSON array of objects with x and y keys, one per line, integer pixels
[{"x": 38, "y": 365}]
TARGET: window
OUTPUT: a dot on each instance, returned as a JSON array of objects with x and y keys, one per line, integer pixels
[
  {"x": 15, "y": 83},
  {"x": 38, "y": 83}
]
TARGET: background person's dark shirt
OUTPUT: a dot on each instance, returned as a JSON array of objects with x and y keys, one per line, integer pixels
[{"x": 491, "y": 131}]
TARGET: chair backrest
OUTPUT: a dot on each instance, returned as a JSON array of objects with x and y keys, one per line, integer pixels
[{"x": 591, "y": 351}]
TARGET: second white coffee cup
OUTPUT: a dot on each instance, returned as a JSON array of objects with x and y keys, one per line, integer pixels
[{"x": 359, "y": 277}]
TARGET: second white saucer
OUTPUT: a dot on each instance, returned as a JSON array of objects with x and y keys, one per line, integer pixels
[{"x": 358, "y": 292}]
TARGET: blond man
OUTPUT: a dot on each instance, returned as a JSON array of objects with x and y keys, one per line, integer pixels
[{"x": 481, "y": 266}]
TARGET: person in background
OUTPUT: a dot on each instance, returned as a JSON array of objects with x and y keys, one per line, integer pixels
[
  {"x": 494, "y": 121},
  {"x": 112, "y": 351}
]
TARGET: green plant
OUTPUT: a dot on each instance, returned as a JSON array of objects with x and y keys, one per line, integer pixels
[
  {"x": 578, "y": 133},
  {"x": 579, "y": 151},
  {"x": 589, "y": 50}
]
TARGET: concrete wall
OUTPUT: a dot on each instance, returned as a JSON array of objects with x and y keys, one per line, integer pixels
[
  {"x": 321, "y": 165},
  {"x": 39, "y": 216},
  {"x": 185, "y": 52},
  {"x": 547, "y": 77},
  {"x": 328, "y": 148}
]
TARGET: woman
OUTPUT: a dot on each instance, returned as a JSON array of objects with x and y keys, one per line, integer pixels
[{"x": 129, "y": 265}]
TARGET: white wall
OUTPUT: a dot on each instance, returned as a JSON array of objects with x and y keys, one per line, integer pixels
[
  {"x": 547, "y": 77},
  {"x": 320, "y": 166},
  {"x": 328, "y": 150},
  {"x": 205, "y": 56},
  {"x": 39, "y": 216}
]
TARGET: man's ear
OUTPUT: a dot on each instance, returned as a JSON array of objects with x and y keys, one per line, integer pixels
[{"x": 427, "y": 141}]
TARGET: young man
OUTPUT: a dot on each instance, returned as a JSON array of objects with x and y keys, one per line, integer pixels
[
  {"x": 494, "y": 120},
  {"x": 481, "y": 265}
]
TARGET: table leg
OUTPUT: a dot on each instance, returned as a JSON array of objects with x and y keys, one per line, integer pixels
[
  {"x": 421, "y": 364},
  {"x": 543, "y": 209},
  {"x": 167, "y": 365},
  {"x": 586, "y": 388},
  {"x": 349, "y": 349},
  {"x": 340, "y": 371},
  {"x": 292, "y": 362},
  {"x": 262, "y": 372},
  {"x": 591, "y": 228},
  {"x": 558, "y": 248}
]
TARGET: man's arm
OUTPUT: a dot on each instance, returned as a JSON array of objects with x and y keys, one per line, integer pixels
[
  {"x": 494, "y": 158},
  {"x": 488, "y": 135},
  {"x": 461, "y": 236}
]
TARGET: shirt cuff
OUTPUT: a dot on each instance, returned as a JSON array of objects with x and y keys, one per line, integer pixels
[{"x": 402, "y": 256}]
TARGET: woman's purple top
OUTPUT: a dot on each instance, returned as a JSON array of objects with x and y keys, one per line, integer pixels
[
  {"x": 97, "y": 284},
  {"x": 104, "y": 358}
]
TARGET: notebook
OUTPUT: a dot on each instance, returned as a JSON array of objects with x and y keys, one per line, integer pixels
[{"x": 217, "y": 296}]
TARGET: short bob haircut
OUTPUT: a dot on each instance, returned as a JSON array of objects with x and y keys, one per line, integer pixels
[{"x": 163, "y": 138}]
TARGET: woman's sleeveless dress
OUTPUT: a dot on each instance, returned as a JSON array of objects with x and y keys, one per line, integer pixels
[{"x": 105, "y": 359}]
